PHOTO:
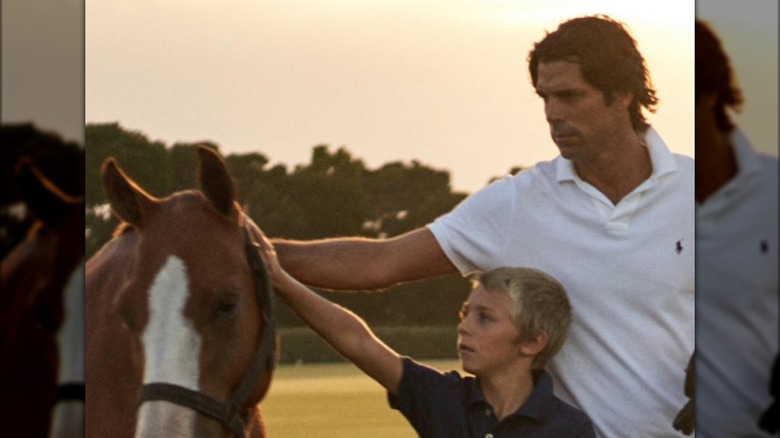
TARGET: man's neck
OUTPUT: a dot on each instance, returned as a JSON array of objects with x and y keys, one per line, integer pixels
[{"x": 622, "y": 167}]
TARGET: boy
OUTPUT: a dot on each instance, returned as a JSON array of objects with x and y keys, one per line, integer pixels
[{"x": 514, "y": 321}]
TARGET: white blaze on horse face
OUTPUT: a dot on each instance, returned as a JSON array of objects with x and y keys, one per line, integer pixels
[
  {"x": 171, "y": 352},
  {"x": 171, "y": 343}
]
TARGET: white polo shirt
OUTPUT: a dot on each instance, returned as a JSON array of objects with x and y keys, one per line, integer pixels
[
  {"x": 628, "y": 270},
  {"x": 737, "y": 297}
]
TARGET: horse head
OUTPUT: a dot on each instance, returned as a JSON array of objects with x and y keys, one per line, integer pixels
[
  {"x": 43, "y": 320},
  {"x": 180, "y": 300}
]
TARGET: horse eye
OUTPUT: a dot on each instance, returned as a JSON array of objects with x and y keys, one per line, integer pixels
[{"x": 226, "y": 305}]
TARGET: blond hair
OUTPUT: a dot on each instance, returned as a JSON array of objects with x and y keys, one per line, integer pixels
[{"x": 539, "y": 304}]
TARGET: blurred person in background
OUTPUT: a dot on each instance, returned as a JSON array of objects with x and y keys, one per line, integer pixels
[{"x": 736, "y": 256}]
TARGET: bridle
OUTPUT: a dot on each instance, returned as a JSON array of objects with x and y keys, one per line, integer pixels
[
  {"x": 230, "y": 413},
  {"x": 70, "y": 391}
]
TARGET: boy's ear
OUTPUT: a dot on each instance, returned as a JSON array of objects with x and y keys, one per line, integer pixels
[{"x": 535, "y": 345}]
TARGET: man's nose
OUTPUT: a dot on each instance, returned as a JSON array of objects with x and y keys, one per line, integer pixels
[{"x": 553, "y": 111}]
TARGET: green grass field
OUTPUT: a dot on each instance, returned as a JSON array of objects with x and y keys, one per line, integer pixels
[{"x": 332, "y": 400}]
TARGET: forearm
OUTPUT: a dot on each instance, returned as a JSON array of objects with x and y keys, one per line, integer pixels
[
  {"x": 364, "y": 264},
  {"x": 337, "y": 325},
  {"x": 344, "y": 263},
  {"x": 346, "y": 332}
]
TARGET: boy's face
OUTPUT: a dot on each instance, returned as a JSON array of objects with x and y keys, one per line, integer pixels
[{"x": 488, "y": 339}]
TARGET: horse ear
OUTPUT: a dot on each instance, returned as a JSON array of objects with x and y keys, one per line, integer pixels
[
  {"x": 129, "y": 202},
  {"x": 44, "y": 200},
  {"x": 215, "y": 182}
]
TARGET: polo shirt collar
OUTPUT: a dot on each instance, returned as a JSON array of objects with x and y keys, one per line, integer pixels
[
  {"x": 661, "y": 158},
  {"x": 536, "y": 406}
]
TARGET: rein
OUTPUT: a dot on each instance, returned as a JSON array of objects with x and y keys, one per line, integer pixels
[{"x": 230, "y": 413}]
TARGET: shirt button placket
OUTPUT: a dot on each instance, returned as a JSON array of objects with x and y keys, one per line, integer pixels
[{"x": 488, "y": 413}]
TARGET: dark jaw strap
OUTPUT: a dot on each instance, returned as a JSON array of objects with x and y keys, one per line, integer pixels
[
  {"x": 230, "y": 413},
  {"x": 70, "y": 391}
]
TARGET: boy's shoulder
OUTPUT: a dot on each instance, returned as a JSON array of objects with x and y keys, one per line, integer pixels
[
  {"x": 560, "y": 417},
  {"x": 576, "y": 419},
  {"x": 421, "y": 377}
]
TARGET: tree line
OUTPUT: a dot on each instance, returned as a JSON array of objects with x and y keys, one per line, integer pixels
[{"x": 335, "y": 194}]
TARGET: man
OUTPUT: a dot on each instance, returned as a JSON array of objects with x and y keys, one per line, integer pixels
[
  {"x": 736, "y": 264},
  {"x": 612, "y": 218}
]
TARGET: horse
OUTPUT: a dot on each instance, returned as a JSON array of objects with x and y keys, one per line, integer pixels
[
  {"x": 42, "y": 314},
  {"x": 180, "y": 338}
]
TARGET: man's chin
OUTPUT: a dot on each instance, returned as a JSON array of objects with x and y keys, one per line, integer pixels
[{"x": 565, "y": 150}]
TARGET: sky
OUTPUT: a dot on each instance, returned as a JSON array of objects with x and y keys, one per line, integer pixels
[
  {"x": 43, "y": 65},
  {"x": 443, "y": 82}
]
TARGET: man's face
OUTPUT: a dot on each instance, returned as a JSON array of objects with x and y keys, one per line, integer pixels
[{"x": 581, "y": 122}]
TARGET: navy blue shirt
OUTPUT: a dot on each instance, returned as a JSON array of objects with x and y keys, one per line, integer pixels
[{"x": 448, "y": 405}]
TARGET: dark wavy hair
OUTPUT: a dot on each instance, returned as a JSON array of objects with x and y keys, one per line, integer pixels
[
  {"x": 714, "y": 75},
  {"x": 608, "y": 58}
]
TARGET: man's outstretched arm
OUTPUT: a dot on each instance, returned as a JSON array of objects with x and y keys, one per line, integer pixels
[{"x": 355, "y": 263}]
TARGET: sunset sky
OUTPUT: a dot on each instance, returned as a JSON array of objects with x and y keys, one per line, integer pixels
[{"x": 443, "y": 82}]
